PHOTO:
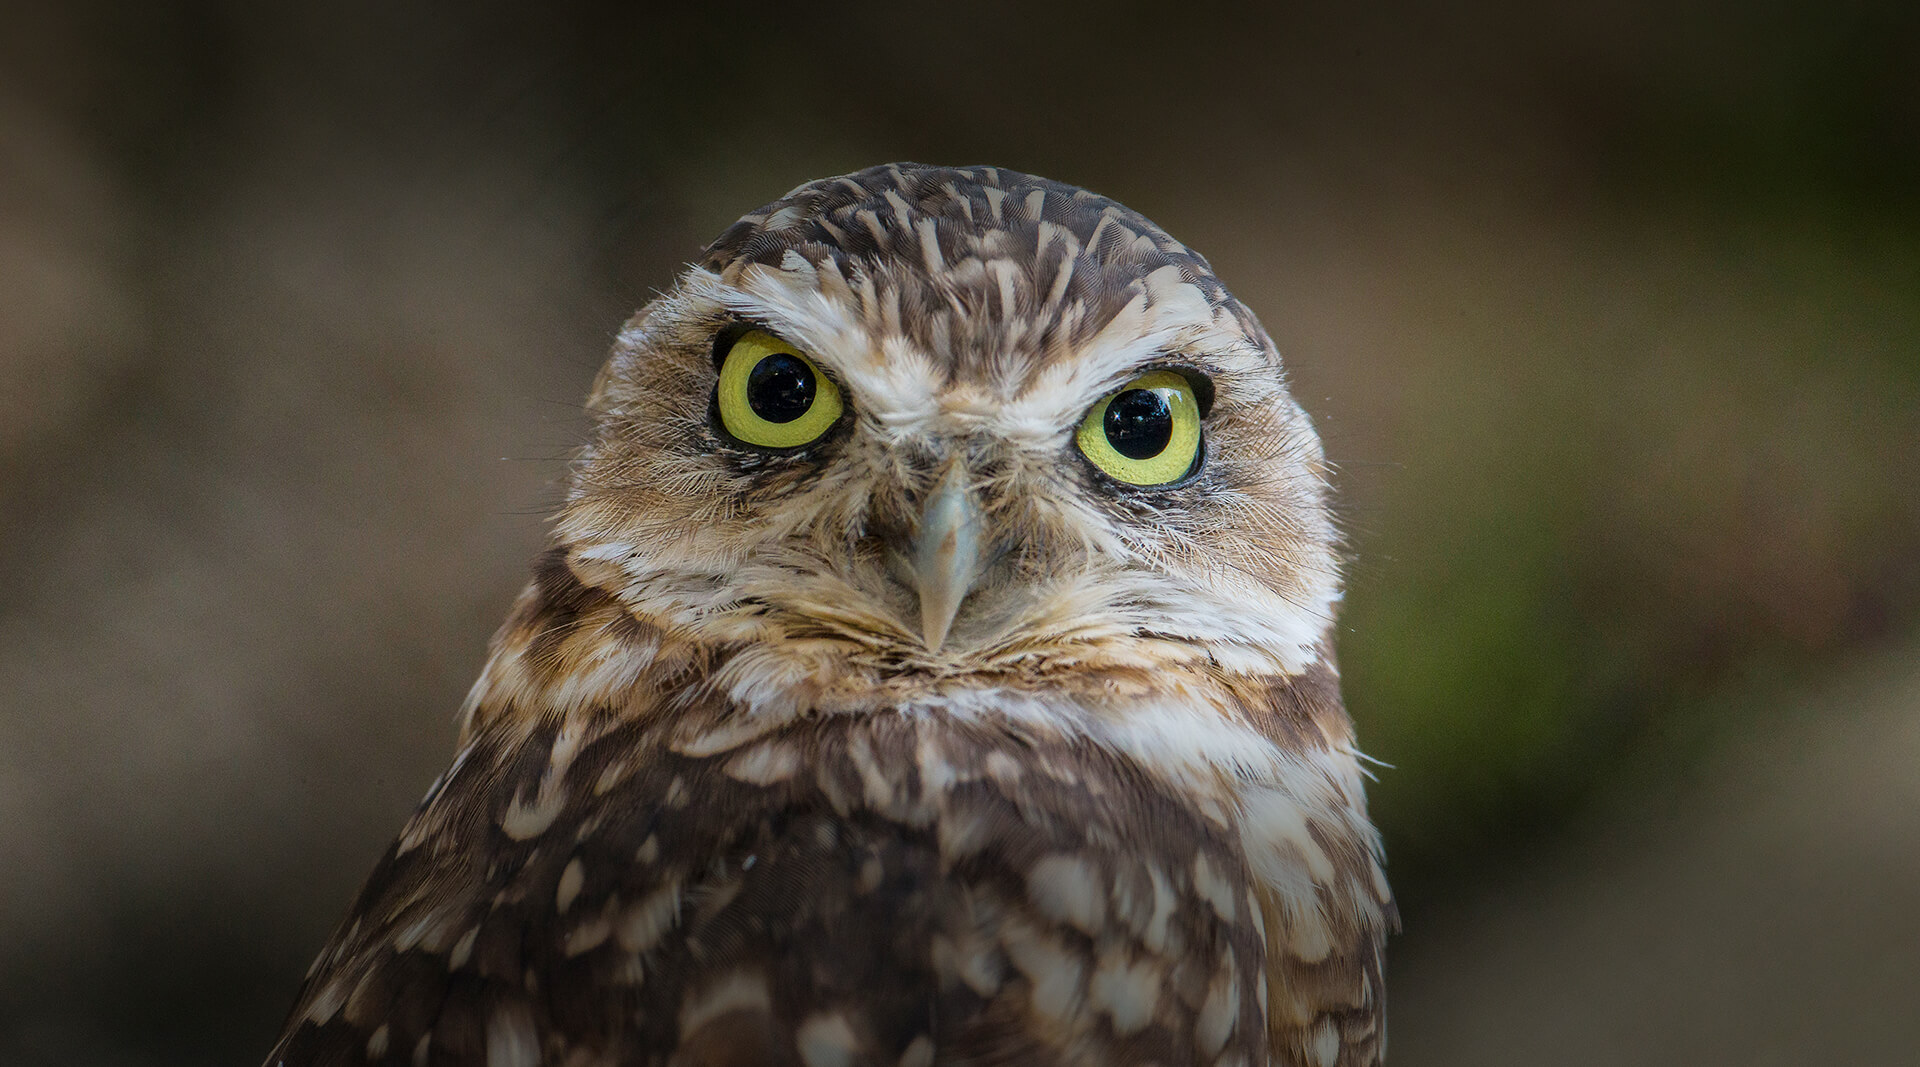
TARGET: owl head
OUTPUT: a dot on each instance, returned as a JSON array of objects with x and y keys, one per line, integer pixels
[{"x": 920, "y": 428}]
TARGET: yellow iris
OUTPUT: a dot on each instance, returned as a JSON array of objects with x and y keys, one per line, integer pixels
[
  {"x": 773, "y": 396},
  {"x": 1145, "y": 433}
]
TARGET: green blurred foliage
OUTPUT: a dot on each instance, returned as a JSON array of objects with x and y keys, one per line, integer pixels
[{"x": 1696, "y": 460}]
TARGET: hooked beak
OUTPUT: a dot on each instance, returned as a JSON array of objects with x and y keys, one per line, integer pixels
[{"x": 946, "y": 552}]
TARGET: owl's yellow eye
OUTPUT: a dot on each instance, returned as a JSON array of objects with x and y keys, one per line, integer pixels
[
  {"x": 1147, "y": 433},
  {"x": 772, "y": 396}
]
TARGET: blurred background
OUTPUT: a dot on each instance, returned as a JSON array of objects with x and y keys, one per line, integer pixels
[{"x": 1610, "y": 315}]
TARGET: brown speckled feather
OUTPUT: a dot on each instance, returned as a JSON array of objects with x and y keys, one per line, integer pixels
[{"x": 883, "y": 885}]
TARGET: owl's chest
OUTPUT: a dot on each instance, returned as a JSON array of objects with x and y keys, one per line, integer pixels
[
  {"x": 898, "y": 889},
  {"x": 925, "y": 870}
]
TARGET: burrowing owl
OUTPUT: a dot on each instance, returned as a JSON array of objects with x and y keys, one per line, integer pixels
[{"x": 931, "y": 666}]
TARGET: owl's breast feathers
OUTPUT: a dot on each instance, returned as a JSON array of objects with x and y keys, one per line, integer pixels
[{"x": 600, "y": 887}]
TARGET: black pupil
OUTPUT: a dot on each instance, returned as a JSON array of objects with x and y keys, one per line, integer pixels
[
  {"x": 780, "y": 388},
  {"x": 1139, "y": 423}
]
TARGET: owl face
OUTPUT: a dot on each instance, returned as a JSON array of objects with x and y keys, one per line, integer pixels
[{"x": 934, "y": 426}]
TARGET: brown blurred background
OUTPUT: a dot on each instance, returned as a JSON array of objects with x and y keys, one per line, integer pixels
[{"x": 1610, "y": 315}]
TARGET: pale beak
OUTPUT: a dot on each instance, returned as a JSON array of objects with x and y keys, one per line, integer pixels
[{"x": 946, "y": 552}]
